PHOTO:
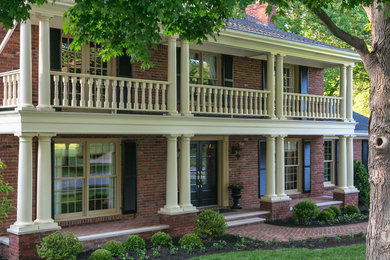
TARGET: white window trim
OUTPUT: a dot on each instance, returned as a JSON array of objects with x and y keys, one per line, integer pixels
[{"x": 333, "y": 169}]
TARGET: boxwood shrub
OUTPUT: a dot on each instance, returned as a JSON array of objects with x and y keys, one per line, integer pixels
[
  {"x": 210, "y": 224},
  {"x": 134, "y": 243},
  {"x": 58, "y": 246},
  {"x": 161, "y": 239},
  {"x": 305, "y": 211}
]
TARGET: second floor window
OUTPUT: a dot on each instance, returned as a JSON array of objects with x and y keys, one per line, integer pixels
[
  {"x": 288, "y": 79},
  {"x": 204, "y": 68}
]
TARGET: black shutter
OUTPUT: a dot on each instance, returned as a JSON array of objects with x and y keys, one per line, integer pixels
[
  {"x": 124, "y": 66},
  {"x": 304, "y": 84},
  {"x": 129, "y": 177},
  {"x": 178, "y": 74},
  {"x": 336, "y": 181},
  {"x": 55, "y": 49},
  {"x": 227, "y": 70},
  {"x": 306, "y": 166},
  {"x": 262, "y": 167},
  {"x": 264, "y": 70},
  {"x": 365, "y": 153}
]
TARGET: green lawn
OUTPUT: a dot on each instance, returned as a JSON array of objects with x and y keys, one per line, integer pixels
[{"x": 343, "y": 252}]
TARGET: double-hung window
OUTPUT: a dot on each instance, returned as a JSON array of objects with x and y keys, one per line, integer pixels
[
  {"x": 86, "y": 178},
  {"x": 204, "y": 68},
  {"x": 329, "y": 161}
]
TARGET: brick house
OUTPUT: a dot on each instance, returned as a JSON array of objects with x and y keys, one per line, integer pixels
[{"x": 88, "y": 141}]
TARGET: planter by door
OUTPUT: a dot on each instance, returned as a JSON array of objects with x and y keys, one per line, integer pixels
[{"x": 236, "y": 195}]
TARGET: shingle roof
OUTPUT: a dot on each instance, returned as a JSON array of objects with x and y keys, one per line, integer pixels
[
  {"x": 252, "y": 25},
  {"x": 362, "y": 126}
]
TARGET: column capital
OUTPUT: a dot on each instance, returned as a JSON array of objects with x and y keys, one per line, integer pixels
[
  {"x": 272, "y": 53},
  {"x": 272, "y": 136},
  {"x": 173, "y": 38},
  {"x": 281, "y": 55},
  {"x": 44, "y": 17},
  {"x": 172, "y": 136},
  {"x": 187, "y": 136},
  {"x": 25, "y": 136},
  {"x": 282, "y": 136},
  {"x": 342, "y": 136}
]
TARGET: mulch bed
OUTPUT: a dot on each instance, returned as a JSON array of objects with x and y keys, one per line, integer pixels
[
  {"x": 290, "y": 222},
  {"x": 237, "y": 243}
]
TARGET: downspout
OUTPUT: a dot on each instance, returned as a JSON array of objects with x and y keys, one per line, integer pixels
[{"x": 7, "y": 36}]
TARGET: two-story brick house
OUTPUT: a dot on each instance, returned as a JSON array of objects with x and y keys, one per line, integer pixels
[{"x": 88, "y": 141}]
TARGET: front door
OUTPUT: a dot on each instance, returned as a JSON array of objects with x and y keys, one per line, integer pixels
[{"x": 204, "y": 173}]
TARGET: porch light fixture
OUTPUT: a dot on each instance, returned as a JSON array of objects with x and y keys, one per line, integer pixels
[{"x": 236, "y": 149}]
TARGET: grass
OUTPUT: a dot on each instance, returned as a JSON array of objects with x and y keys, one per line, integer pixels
[{"x": 343, "y": 252}]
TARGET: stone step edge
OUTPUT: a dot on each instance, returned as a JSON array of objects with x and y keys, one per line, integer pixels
[
  {"x": 324, "y": 204},
  {"x": 246, "y": 215},
  {"x": 4, "y": 240},
  {"x": 122, "y": 232},
  {"x": 244, "y": 222}
]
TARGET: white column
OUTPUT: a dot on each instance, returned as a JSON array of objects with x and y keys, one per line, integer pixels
[
  {"x": 343, "y": 82},
  {"x": 171, "y": 205},
  {"x": 280, "y": 167},
  {"x": 44, "y": 209},
  {"x": 172, "y": 93},
  {"x": 185, "y": 175},
  {"x": 279, "y": 87},
  {"x": 44, "y": 64},
  {"x": 185, "y": 79},
  {"x": 270, "y": 171},
  {"x": 25, "y": 87},
  {"x": 24, "y": 221},
  {"x": 349, "y": 96},
  {"x": 350, "y": 172},
  {"x": 271, "y": 85},
  {"x": 342, "y": 171}
]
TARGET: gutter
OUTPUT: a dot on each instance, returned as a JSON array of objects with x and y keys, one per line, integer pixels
[{"x": 7, "y": 37}]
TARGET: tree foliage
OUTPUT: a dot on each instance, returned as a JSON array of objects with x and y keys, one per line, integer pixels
[
  {"x": 299, "y": 20},
  {"x": 5, "y": 190}
]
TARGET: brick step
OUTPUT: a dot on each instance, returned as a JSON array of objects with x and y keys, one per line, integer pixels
[
  {"x": 246, "y": 215},
  {"x": 246, "y": 221},
  {"x": 97, "y": 240}
]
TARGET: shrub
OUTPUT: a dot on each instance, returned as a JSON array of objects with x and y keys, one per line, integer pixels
[
  {"x": 101, "y": 254},
  {"x": 58, "y": 246},
  {"x": 115, "y": 247},
  {"x": 331, "y": 212},
  {"x": 326, "y": 215},
  {"x": 161, "y": 239},
  {"x": 362, "y": 183},
  {"x": 190, "y": 241},
  {"x": 305, "y": 211},
  {"x": 336, "y": 210},
  {"x": 351, "y": 209},
  {"x": 134, "y": 243},
  {"x": 5, "y": 190},
  {"x": 210, "y": 224}
]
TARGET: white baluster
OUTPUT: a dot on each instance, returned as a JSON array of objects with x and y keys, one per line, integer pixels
[
  {"x": 129, "y": 85},
  {"x": 220, "y": 96},
  {"x": 266, "y": 97},
  {"x": 255, "y": 103},
  {"x": 225, "y": 109},
  {"x": 157, "y": 97},
  {"x": 74, "y": 92},
  {"x": 150, "y": 99},
  {"x": 121, "y": 98},
  {"x": 5, "y": 95},
  {"x": 90, "y": 92},
  {"x": 203, "y": 99},
  {"x": 251, "y": 103},
  {"x": 65, "y": 81},
  {"x": 9, "y": 86},
  {"x": 231, "y": 102},
  {"x": 197, "y": 99},
  {"x": 164, "y": 106},
  {"x": 235, "y": 102},
  {"x": 215, "y": 94},
  {"x": 56, "y": 87},
  {"x": 106, "y": 103},
  {"x": 100, "y": 85},
  {"x": 14, "y": 86},
  {"x": 143, "y": 90},
  {"x": 192, "y": 99},
  {"x": 209, "y": 104},
  {"x": 114, "y": 85},
  {"x": 82, "y": 92}
]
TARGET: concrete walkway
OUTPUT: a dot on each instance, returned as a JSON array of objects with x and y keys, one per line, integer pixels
[{"x": 268, "y": 232}]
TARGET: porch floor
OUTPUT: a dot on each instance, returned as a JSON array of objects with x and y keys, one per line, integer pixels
[{"x": 321, "y": 201}]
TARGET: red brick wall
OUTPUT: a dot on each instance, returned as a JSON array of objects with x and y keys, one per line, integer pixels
[
  {"x": 247, "y": 73},
  {"x": 357, "y": 149},
  {"x": 317, "y": 166},
  {"x": 316, "y": 81},
  {"x": 159, "y": 57}
]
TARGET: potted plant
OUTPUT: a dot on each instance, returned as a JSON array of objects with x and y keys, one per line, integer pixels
[{"x": 236, "y": 188}]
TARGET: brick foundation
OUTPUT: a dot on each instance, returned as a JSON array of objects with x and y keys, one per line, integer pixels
[
  {"x": 347, "y": 198},
  {"x": 23, "y": 246},
  {"x": 179, "y": 225},
  {"x": 278, "y": 210}
]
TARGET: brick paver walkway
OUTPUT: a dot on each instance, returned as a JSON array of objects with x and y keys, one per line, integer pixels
[{"x": 265, "y": 232}]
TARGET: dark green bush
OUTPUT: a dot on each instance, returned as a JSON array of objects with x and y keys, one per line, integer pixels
[
  {"x": 190, "y": 241},
  {"x": 331, "y": 212},
  {"x": 57, "y": 246},
  {"x": 161, "y": 239},
  {"x": 326, "y": 215},
  {"x": 134, "y": 243},
  {"x": 305, "y": 211},
  {"x": 336, "y": 210},
  {"x": 101, "y": 254},
  {"x": 362, "y": 183},
  {"x": 351, "y": 209},
  {"x": 115, "y": 247},
  {"x": 210, "y": 224}
]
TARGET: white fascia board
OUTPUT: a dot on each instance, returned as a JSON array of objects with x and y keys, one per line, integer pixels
[
  {"x": 10, "y": 122},
  {"x": 89, "y": 123},
  {"x": 288, "y": 47}
]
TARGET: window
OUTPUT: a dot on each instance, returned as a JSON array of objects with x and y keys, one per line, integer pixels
[
  {"x": 204, "y": 68},
  {"x": 291, "y": 165},
  {"x": 329, "y": 162},
  {"x": 288, "y": 79},
  {"x": 86, "y": 178}
]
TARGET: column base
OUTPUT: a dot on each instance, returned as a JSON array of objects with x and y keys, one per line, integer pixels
[
  {"x": 171, "y": 210},
  {"x": 188, "y": 208},
  {"x": 187, "y": 114},
  {"x": 25, "y": 108},
  {"x": 173, "y": 114},
  {"x": 179, "y": 224},
  {"x": 348, "y": 197},
  {"x": 279, "y": 209},
  {"x": 47, "y": 225},
  {"x": 45, "y": 108},
  {"x": 22, "y": 229}
]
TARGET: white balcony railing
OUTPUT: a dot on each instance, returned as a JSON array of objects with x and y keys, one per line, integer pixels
[
  {"x": 206, "y": 99},
  {"x": 311, "y": 106},
  {"x": 10, "y": 85},
  {"x": 104, "y": 92}
]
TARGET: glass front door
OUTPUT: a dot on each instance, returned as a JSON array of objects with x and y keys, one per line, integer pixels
[{"x": 204, "y": 173}]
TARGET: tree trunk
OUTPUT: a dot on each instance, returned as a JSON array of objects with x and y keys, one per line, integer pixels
[{"x": 377, "y": 64}]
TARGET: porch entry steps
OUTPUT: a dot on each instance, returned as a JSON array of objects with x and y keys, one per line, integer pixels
[{"x": 244, "y": 217}]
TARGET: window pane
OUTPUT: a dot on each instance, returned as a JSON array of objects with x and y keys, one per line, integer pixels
[
  {"x": 288, "y": 80},
  {"x": 209, "y": 70},
  {"x": 68, "y": 160},
  {"x": 328, "y": 161},
  {"x": 194, "y": 68},
  {"x": 291, "y": 163},
  {"x": 68, "y": 196}
]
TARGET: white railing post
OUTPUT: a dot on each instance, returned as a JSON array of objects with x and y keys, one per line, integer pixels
[
  {"x": 185, "y": 79},
  {"x": 44, "y": 64},
  {"x": 271, "y": 85},
  {"x": 343, "y": 82},
  {"x": 172, "y": 93},
  {"x": 349, "y": 95},
  {"x": 25, "y": 87},
  {"x": 279, "y": 86}
]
